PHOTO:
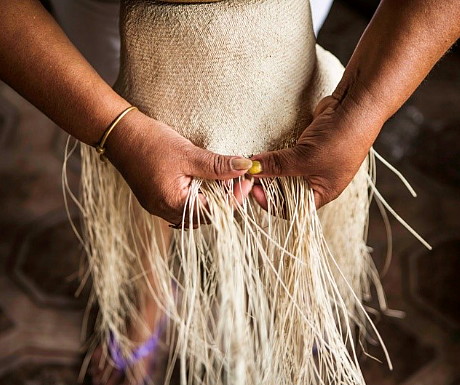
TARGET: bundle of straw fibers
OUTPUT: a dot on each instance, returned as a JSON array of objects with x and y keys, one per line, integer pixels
[{"x": 251, "y": 298}]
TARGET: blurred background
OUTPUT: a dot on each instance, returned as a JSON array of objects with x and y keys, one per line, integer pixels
[{"x": 40, "y": 258}]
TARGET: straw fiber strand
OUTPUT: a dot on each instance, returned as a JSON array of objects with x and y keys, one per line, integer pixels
[{"x": 253, "y": 297}]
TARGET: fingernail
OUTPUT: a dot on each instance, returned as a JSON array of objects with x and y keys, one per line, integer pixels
[
  {"x": 256, "y": 168},
  {"x": 241, "y": 164}
]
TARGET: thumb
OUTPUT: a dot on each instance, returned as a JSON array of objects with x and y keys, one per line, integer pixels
[
  {"x": 287, "y": 162},
  {"x": 329, "y": 102},
  {"x": 209, "y": 165}
]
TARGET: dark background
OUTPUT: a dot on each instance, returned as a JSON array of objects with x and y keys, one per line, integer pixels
[{"x": 40, "y": 317}]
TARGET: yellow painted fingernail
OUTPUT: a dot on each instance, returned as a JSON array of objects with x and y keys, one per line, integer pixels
[{"x": 256, "y": 168}]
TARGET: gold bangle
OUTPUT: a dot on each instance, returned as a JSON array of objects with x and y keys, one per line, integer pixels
[{"x": 100, "y": 146}]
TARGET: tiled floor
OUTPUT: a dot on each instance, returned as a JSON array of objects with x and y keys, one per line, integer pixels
[{"x": 40, "y": 318}]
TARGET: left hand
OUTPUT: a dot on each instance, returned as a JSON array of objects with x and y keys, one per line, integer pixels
[{"x": 328, "y": 154}]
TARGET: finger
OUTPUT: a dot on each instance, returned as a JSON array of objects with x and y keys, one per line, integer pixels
[
  {"x": 277, "y": 205},
  {"x": 327, "y": 102},
  {"x": 259, "y": 195},
  {"x": 288, "y": 162},
  {"x": 189, "y": 220},
  {"x": 209, "y": 165},
  {"x": 318, "y": 200},
  {"x": 242, "y": 189},
  {"x": 200, "y": 214}
]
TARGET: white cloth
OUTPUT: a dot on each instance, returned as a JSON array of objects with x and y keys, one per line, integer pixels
[{"x": 319, "y": 11}]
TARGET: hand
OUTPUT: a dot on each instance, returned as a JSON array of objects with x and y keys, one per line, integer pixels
[
  {"x": 328, "y": 154},
  {"x": 159, "y": 164}
]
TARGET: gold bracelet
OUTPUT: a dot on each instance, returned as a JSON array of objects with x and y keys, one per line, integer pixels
[{"x": 100, "y": 146}]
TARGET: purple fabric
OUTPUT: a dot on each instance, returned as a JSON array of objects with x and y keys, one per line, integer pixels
[{"x": 139, "y": 353}]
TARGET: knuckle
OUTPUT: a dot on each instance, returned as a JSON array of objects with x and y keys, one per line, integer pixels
[
  {"x": 320, "y": 197},
  {"x": 190, "y": 157},
  {"x": 218, "y": 163},
  {"x": 274, "y": 164},
  {"x": 332, "y": 194},
  {"x": 326, "y": 190},
  {"x": 186, "y": 153},
  {"x": 322, "y": 193},
  {"x": 301, "y": 151}
]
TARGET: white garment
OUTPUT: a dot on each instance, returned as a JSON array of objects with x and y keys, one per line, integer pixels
[
  {"x": 319, "y": 11},
  {"x": 92, "y": 25}
]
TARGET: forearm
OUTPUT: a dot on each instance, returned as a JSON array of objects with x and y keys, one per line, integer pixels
[
  {"x": 402, "y": 43},
  {"x": 38, "y": 61}
]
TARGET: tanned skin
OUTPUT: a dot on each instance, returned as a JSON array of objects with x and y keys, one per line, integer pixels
[{"x": 401, "y": 44}]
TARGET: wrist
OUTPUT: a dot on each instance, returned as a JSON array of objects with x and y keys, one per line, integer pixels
[
  {"x": 127, "y": 136},
  {"x": 357, "y": 108},
  {"x": 103, "y": 107}
]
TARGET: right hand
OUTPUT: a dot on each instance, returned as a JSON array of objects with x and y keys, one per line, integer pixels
[{"x": 159, "y": 164}]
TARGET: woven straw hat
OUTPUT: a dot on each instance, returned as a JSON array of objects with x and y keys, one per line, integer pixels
[{"x": 234, "y": 76}]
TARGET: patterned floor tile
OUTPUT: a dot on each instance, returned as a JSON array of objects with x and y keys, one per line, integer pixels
[
  {"x": 56, "y": 282},
  {"x": 437, "y": 280},
  {"x": 40, "y": 320},
  {"x": 39, "y": 374},
  {"x": 407, "y": 354}
]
